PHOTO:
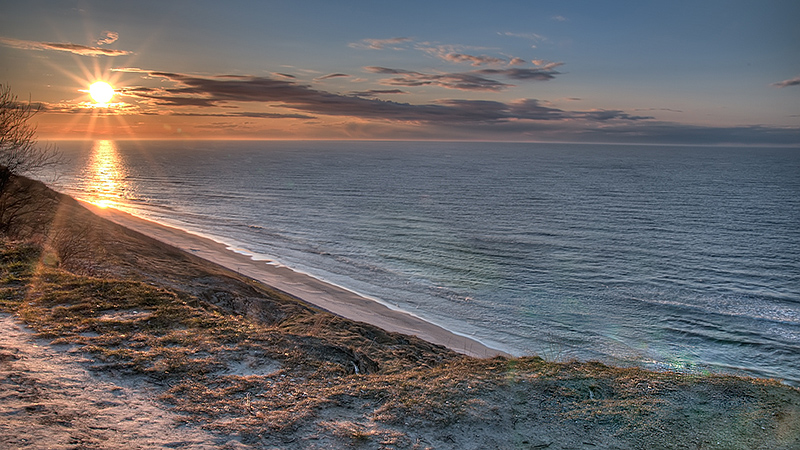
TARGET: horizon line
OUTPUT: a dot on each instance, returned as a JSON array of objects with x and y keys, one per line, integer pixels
[{"x": 492, "y": 141}]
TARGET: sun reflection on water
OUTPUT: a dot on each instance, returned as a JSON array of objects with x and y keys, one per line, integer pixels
[{"x": 104, "y": 176}]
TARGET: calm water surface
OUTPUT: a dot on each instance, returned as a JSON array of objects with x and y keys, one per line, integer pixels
[{"x": 674, "y": 257}]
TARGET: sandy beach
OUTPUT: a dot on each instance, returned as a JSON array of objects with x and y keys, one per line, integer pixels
[{"x": 324, "y": 295}]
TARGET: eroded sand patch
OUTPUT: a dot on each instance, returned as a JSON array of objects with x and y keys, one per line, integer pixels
[{"x": 48, "y": 399}]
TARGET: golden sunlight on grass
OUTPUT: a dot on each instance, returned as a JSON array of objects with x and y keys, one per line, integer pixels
[{"x": 101, "y": 92}]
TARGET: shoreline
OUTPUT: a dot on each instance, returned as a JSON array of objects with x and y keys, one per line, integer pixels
[{"x": 330, "y": 297}]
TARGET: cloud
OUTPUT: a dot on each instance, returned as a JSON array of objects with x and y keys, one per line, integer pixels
[
  {"x": 536, "y": 38},
  {"x": 216, "y": 91},
  {"x": 179, "y": 101},
  {"x": 559, "y": 18},
  {"x": 109, "y": 37},
  {"x": 374, "y": 92},
  {"x": 544, "y": 64},
  {"x": 77, "y": 49},
  {"x": 162, "y": 97},
  {"x": 541, "y": 74},
  {"x": 332, "y": 75},
  {"x": 455, "y": 54},
  {"x": 460, "y": 81},
  {"x": 529, "y": 36},
  {"x": 533, "y": 110},
  {"x": 659, "y": 109},
  {"x": 786, "y": 83},
  {"x": 676, "y": 133},
  {"x": 520, "y": 119},
  {"x": 473, "y": 60},
  {"x": 492, "y": 111},
  {"x": 254, "y": 115},
  {"x": 603, "y": 115},
  {"x": 379, "y": 44}
]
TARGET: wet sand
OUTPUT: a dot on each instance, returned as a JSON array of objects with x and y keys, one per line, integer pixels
[{"x": 324, "y": 295}]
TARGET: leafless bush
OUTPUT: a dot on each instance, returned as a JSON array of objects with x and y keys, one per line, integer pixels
[
  {"x": 19, "y": 154},
  {"x": 72, "y": 245}
]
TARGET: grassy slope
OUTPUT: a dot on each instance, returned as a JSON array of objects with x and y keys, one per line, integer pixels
[{"x": 242, "y": 359}]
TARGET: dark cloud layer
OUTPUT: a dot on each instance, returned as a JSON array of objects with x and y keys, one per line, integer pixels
[
  {"x": 539, "y": 74},
  {"x": 252, "y": 115},
  {"x": 466, "y": 81},
  {"x": 522, "y": 118},
  {"x": 460, "y": 81},
  {"x": 332, "y": 75},
  {"x": 214, "y": 91},
  {"x": 374, "y": 92}
]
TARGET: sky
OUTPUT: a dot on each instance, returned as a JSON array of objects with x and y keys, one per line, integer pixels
[{"x": 653, "y": 72}]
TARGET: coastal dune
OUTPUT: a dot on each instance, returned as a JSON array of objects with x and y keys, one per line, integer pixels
[{"x": 329, "y": 297}]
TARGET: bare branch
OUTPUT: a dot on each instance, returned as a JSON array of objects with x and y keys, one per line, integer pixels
[
  {"x": 19, "y": 154},
  {"x": 19, "y": 150}
]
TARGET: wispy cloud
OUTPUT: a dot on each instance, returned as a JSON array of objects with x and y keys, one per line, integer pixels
[
  {"x": 374, "y": 92},
  {"x": 531, "y": 36},
  {"x": 559, "y": 18},
  {"x": 460, "y": 81},
  {"x": 465, "y": 81},
  {"x": 457, "y": 54},
  {"x": 164, "y": 97},
  {"x": 790, "y": 82},
  {"x": 473, "y": 60},
  {"x": 659, "y": 109},
  {"x": 332, "y": 75},
  {"x": 541, "y": 74},
  {"x": 547, "y": 65},
  {"x": 535, "y": 38},
  {"x": 379, "y": 44},
  {"x": 252, "y": 115},
  {"x": 109, "y": 37},
  {"x": 77, "y": 49}
]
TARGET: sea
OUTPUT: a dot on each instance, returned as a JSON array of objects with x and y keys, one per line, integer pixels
[{"x": 665, "y": 257}]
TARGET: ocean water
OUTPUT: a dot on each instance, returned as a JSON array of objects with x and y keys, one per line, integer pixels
[{"x": 682, "y": 258}]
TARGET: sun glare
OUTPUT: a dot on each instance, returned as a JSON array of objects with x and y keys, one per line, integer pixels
[
  {"x": 104, "y": 179},
  {"x": 101, "y": 92}
]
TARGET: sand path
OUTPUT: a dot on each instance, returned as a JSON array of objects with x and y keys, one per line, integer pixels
[
  {"x": 48, "y": 399},
  {"x": 324, "y": 295}
]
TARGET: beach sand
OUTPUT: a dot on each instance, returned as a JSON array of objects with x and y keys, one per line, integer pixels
[{"x": 324, "y": 295}]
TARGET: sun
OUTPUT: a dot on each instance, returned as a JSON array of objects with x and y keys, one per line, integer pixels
[{"x": 101, "y": 92}]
